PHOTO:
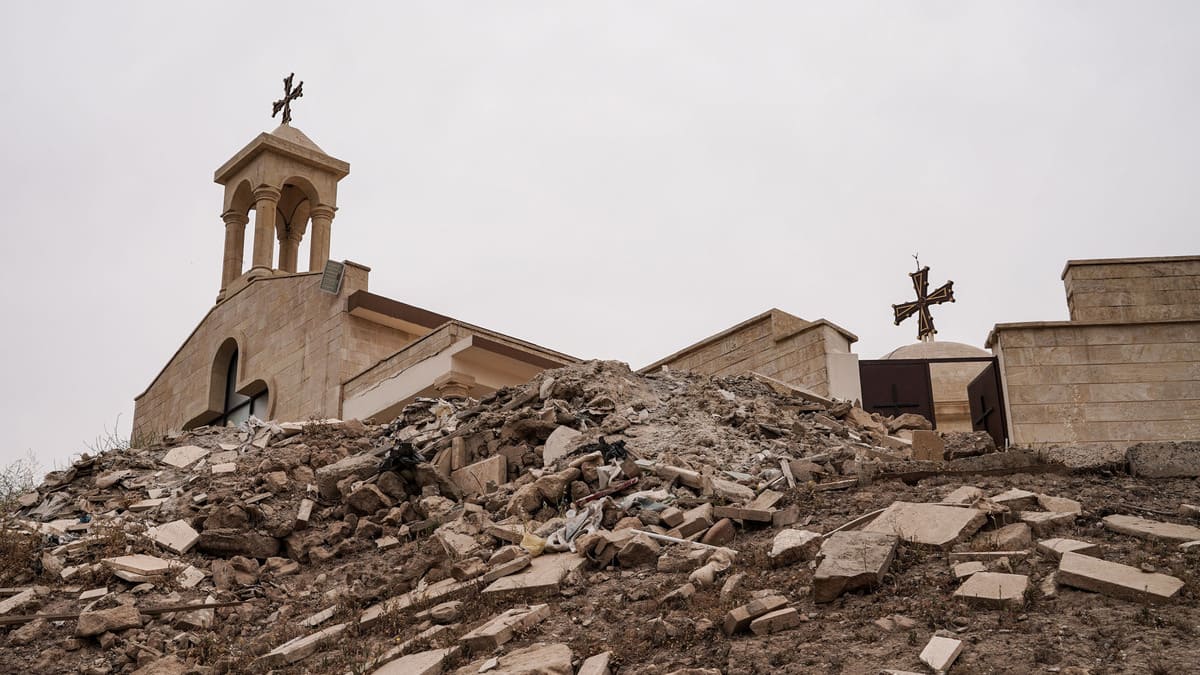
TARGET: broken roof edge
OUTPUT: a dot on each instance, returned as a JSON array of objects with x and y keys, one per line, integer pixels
[
  {"x": 992, "y": 334},
  {"x": 769, "y": 314},
  {"x": 551, "y": 358},
  {"x": 1127, "y": 261},
  {"x": 192, "y": 334}
]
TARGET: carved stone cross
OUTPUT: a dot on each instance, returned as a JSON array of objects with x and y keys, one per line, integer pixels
[
  {"x": 289, "y": 95},
  {"x": 924, "y": 300}
]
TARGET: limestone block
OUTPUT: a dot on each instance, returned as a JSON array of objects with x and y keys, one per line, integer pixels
[
  {"x": 302, "y": 647},
  {"x": 1151, "y": 529},
  {"x": 176, "y": 536},
  {"x": 1059, "y": 504},
  {"x": 1044, "y": 522},
  {"x": 145, "y": 565},
  {"x": 775, "y": 622},
  {"x": 940, "y": 653},
  {"x": 504, "y": 627},
  {"x": 545, "y": 574},
  {"x": 122, "y": 617},
  {"x": 928, "y": 446},
  {"x": 1016, "y": 499},
  {"x": 963, "y": 496},
  {"x": 994, "y": 590},
  {"x": 793, "y": 546},
  {"x": 475, "y": 479},
  {"x": 738, "y": 619},
  {"x": 1007, "y": 538},
  {"x": 1055, "y": 548},
  {"x": 184, "y": 455},
  {"x": 851, "y": 560},
  {"x": 542, "y": 659},
  {"x": 596, "y": 665},
  {"x": 932, "y": 525},
  {"x": 1115, "y": 579},
  {"x": 558, "y": 444},
  {"x": 431, "y": 662},
  {"x": 963, "y": 570}
]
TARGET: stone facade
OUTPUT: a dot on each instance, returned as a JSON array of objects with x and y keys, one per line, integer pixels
[
  {"x": 814, "y": 355},
  {"x": 301, "y": 351},
  {"x": 1116, "y": 374}
]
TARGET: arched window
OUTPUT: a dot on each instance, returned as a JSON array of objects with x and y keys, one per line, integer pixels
[{"x": 237, "y": 407}]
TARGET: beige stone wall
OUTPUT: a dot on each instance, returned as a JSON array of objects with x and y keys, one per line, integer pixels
[
  {"x": 291, "y": 336},
  {"x": 401, "y": 360},
  {"x": 775, "y": 344},
  {"x": 1133, "y": 290},
  {"x": 1112, "y": 384}
]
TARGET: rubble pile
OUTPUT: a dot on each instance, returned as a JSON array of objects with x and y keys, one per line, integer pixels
[{"x": 597, "y": 521}]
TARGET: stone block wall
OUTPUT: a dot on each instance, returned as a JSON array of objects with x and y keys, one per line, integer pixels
[
  {"x": 293, "y": 338},
  {"x": 775, "y": 344},
  {"x": 1122, "y": 290},
  {"x": 1100, "y": 384}
]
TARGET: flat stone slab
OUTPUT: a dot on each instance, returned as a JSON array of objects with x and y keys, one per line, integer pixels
[
  {"x": 851, "y": 560},
  {"x": 1055, "y": 548},
  {"x": 933, "y": 525},
  {"x": 302, "y": 647},
  {"x": 963, "y": 496},
  {"x": 987, "y": 556},
  {"x": 176, "y": 536},
  {"x": 777, "y": 621},
  {"x": 1059, "y": 504},
  {"x": 474, "y": 479},
  {"x": 504, "y": 627},
  {"x": 793, "y": 546},
  {"x": 1016, "y": 499},
  {"x": 940, "y": 653},
  {"x": 1164, "y": 459},
  {"x": 536, "y": 659},
  {"x": 1115, "y": 579},
  {"x": 431, "y": 662},
  {"x": 596, "y": 665},
  {"x": 1007, "y": 538},
  {"x": 145, "y": 565},
  {"x": 1045, "y": 522},
  {"x": 1151, "y": 529},
  {"x": 184, "y": 456},
  {"x": 544, "y": 574},
  {"x": 994, "y": 590},
  {"x": 963, "y": 570},
  {"x": 739, "y": 619},
  {"x": 558, "y": 444}
]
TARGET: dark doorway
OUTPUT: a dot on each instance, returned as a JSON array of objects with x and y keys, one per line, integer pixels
[
  {"x": 987, "y": 404},
  {"x": 897, "y": 387}
]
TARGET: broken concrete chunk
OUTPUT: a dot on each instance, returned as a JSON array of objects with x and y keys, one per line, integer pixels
[
  {"x": 367, "y": 500},
  {"x": 1055, "y": 548},
  {"x": 504, "y": 627},
  {"x": 731, "y": 491},
  {"x": 17, "y": 601},
  {"x": 851, "y": 560},
  {"x": 227, "y": 467},
  {"x": 358, "y": 466},
  {"x": 536, "y": 659},
  {"x": 1115, "y": 579},
  {"x": 793, "y": 546},
  {"x": 941, "y": 652},
  {"x": 1007, "y": 538},
  {"x": 94, "y": 593},
  {"x": 122, "y": 617},
  {"x": 302, "y": 647},
  {"x": 1151, "y": 529},
  {"x": 933, "y": 525},
  {"x": 994, "y": 590},
  {"x": 176, "y": 536},
  {"x": 1165, "y": 459},
  {"x": 928, "y": 446},
  {"x": 558, "y": 444},
  {"x": 963, "y": 570},
  {"x": 146, "y": 505},
  {"x": 184, "y": 455}
]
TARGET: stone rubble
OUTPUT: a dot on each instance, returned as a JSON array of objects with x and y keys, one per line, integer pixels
[{"x": 498, "y": 535}]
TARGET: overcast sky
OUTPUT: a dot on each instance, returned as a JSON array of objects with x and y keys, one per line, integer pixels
[{"x": 613, "y": 180}]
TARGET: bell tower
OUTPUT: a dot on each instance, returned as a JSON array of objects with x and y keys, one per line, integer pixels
[{"x": 288, "y": 181}]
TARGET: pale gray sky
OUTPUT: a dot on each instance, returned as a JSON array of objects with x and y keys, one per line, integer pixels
[{"x": 611, "y": 180}]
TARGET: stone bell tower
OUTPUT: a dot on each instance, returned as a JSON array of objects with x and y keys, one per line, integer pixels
[{"x": 288, "y": 181}]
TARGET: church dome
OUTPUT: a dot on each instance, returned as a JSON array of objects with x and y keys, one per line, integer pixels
[{"x": 936, "y": 350}]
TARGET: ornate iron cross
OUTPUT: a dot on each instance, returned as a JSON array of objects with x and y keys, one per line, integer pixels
[
  {"x": 289, "y": 95},
  {"x": 921, "y": 305}
]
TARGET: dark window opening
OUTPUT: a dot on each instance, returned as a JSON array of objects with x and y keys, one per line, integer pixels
[{"x": 237, "y": 407}]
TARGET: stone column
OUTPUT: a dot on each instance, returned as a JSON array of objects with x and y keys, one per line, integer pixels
[
  {"x": 318, "y": 253},
  {"x": 289, "y": 249},
  {"x": 266, "y": 205},
  {"x": 235, "y": 242},
  {"x": 454, "y": 385}
]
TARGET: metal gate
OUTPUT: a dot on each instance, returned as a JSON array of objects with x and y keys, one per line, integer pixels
[{"x": 896, "y": 386}]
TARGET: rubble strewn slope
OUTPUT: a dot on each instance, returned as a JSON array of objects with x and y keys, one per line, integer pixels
[{"x": 596, "y": 520}]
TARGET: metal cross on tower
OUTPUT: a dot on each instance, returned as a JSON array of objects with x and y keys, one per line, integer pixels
[
  {"x": 289, "y": 95},
  {"x": 921, "y": 305}
]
